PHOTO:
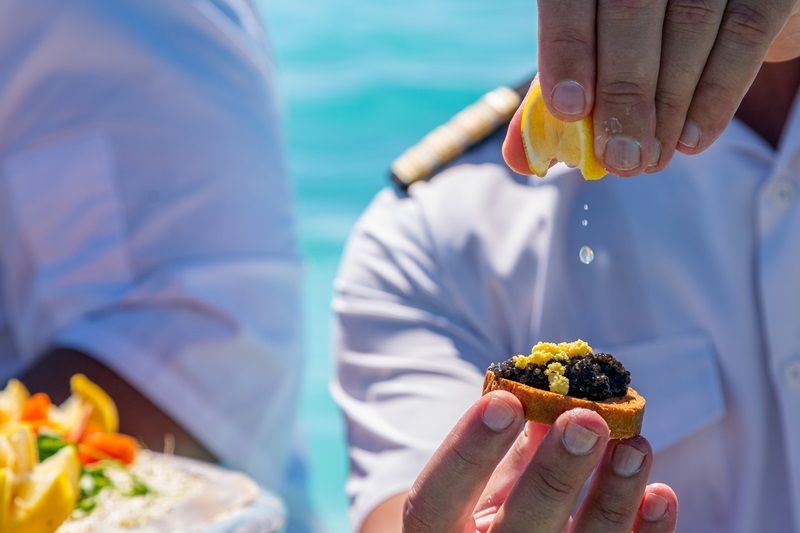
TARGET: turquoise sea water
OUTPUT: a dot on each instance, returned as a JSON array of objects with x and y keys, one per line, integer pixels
[{"x": 361, "y": 81}]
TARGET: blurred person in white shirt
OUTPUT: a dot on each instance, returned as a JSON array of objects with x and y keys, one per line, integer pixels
[{"x": 147, "y": 231}]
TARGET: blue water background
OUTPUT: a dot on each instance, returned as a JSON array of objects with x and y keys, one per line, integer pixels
[{"x": 361, "y": 81}]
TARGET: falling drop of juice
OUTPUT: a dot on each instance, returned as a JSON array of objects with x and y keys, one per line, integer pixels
[{"x": 586, "y": 255}]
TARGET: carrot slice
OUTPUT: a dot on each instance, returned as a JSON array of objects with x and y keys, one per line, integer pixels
[
  {"x": 110, "y": 445},
  {"x": 37, "y": 407}
]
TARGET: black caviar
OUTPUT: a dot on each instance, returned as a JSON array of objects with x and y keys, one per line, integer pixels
[{"x": 593, "y": 377}]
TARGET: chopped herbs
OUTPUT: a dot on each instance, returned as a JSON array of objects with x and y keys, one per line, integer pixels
[
  {"x": 49, "y": 444},
  {"x": 138, "y": 487},
  {"x": 86, "y": 505},
  {"x": 95, "y": 479}
]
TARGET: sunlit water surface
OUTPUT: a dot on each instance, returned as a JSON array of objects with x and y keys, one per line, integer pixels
[{"x": 361, "y": 81}]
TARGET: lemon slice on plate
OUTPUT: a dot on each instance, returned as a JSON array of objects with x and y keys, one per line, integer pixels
[
  {"x": 18, "y": 450},
  {"x": 104, "y": 410},
  {"x": 12, "y": 398},
  {"x": 547, "y": 139},
  {"x": 45, "y": 499}
]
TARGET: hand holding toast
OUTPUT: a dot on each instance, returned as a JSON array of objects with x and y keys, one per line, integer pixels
[{"x": 487, "y": 476}]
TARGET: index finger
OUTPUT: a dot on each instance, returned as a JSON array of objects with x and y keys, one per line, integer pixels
[
  {"x": 567, "y": 57},
  {"x": 446, "y": 491}
]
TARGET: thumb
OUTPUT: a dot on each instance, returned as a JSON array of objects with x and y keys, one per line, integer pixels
[{"x": 513, "y": 149}]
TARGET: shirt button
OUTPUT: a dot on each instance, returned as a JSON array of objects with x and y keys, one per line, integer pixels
[
  {"x": 784, "y": 190},
  {"x": 792, "y": 374}
]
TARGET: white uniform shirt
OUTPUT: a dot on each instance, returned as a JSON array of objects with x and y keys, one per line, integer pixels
[
  {"x": 695, "y": 286},
  {"x": 145, "y": 213}
]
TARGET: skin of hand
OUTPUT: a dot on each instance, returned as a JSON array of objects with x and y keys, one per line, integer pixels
[
  {"x": 138, "y": 416},
  {"x": 487, "y": 476},
  {"x": 656, "y": 76}
]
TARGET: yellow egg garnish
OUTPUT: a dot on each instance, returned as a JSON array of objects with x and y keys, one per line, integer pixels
[
  {"x": 546, "y": 351},
  {"x": 555, "y": 376}
]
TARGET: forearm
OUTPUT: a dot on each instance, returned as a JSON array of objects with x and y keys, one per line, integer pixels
[
  {"x": 138, "y": 416},
  {"x": 386, "y": 517}
]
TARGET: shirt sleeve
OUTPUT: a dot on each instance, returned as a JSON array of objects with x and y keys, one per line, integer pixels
[{"x": 402, "y": 379}]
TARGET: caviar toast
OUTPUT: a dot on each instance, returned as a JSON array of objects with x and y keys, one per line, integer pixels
[{"x": 555, "y": 378}]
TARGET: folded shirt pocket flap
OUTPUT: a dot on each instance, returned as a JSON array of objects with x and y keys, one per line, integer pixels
[{"x": 680, "y": 379}]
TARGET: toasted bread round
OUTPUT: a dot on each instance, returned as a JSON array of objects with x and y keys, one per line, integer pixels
[{"x": 623, "y": 415}]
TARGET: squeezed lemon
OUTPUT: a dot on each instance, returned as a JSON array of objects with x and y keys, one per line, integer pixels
[{"x": 547, "y": 139}]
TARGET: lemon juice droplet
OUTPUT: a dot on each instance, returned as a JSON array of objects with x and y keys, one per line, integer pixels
[
  {"x": 585, "y": 207},
  {"x": 586, "y": 255},
  {"x": 584, "y": 222}
]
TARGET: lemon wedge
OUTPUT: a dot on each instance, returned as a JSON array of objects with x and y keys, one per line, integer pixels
[
  {"x": 18, "y": 450},
  {"x": 547, "y": 139},
  {"x": 12, "y": 398},
  {"x": 46, "y": 498},
  {"x": 104, "y": 410},
  {"x": 67, "y": 415}
]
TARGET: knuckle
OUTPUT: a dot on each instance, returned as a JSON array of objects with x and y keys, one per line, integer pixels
[
  {"x": 571, "y": 38},
  {"x": 723, "y": 97},
  {"x": 550, "y": 485},
  {"x": 626, "y": 9},
  {"x": 670, "y": 104},
  {"x": 466, "y": 457},
  {"x": 711, "y": 86},
  {"x": 612, "y": 515},
  {"x": 746, "y": 25},
  {"x": 414, "y": 519},
  {"x": 624, "y": 93},
  {"x": 692, "y": 12}
]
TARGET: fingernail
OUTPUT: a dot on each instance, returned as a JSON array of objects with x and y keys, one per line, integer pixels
[
  {"x": 569, "y": 97},
  {"x": 578, "y": 440},
  {"x": 497, "y": 415},
  {"x": 653, "y": 508},
  {"x": 623, "y": 153},
  {"x": 626, "y": 460},
  {"x": 690, "y": 136},
  {"x": 655, "y": 155}
]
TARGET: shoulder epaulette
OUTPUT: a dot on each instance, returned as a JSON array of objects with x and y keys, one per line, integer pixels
[{"x": 465, "y": 130}]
